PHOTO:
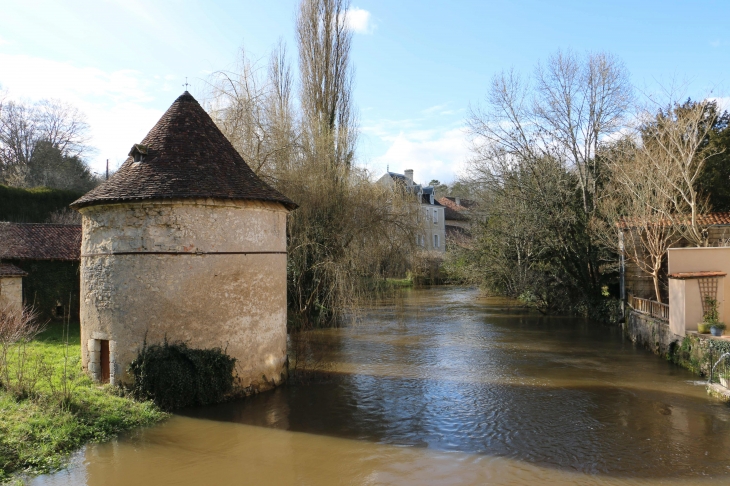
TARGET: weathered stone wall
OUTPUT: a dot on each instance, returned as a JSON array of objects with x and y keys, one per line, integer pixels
[
  {"x": 11, "y": 290},
  {"x": 177, "y": 270},
  {"x": 694, "y": 352},
  {"x": 653, "y": 334}
]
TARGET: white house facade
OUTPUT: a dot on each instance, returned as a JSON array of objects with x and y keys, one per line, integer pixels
[{"x": 432, "y": 236}]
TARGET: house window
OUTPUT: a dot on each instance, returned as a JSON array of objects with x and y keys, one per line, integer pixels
[
  {"x": 435, "y": 216},
  {"x": 435, "y": 241}
]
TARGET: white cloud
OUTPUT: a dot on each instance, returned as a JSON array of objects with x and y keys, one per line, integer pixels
[
  {"x": 3, "y": 42},
  {"x": 359, "y": 21},
  {"x": 436, "y": 108},
  {"x": 34, "y": 77},
  {"x": 116, "y": 103},
  {"x": 432, "y": 154},
  {"x": 723, "y": 103}
]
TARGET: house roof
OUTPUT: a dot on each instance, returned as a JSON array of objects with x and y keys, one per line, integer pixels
[
  {"x": 453, "y": 211},
  {"x": 8, "y": 270},
  {"x": 692, "y": 275},
  {"x": 184, "y": 156},
  {"x": 426, "y": 199},
  {"x": 464, "y": 204},
  {"x": 23, "y": 241},
  {"x": 708, "y": 219},
  {"x": 413, "y": 188}
]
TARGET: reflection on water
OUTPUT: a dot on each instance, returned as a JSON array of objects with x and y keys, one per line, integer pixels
[{"x": 441, "y": 387}]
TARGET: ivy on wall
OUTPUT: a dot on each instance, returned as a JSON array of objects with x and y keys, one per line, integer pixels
[
  {"x": 33, "y": 205},
  {"x": 176, "y": 376},
  {"x": 50, "y": 284}
]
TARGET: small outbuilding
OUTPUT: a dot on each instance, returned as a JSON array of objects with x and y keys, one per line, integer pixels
[
  {"x": 11, "y": 285},
  {"x": 49, "y": 254},
  {"x": 184, "y": 243}
]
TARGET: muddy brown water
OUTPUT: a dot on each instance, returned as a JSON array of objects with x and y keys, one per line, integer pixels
[{"x": 441, "y": 386}]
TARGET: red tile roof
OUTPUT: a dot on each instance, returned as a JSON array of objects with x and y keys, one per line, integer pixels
[
  {"x": 8, "y": 270},
  {"x": 691, "y": 275},
  {"x": 453, "y": 211},
  {"x": 709, "y": 219},
  {"x": 185, "y": 156},
  {"x": 21, "y": 241}
]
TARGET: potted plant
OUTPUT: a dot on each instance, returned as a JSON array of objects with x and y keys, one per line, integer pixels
[
  {"x": 710, "y": 318},
  {"x": 717, "y": 328}
]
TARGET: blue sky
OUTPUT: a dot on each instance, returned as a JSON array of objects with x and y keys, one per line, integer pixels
[{"x": 419, "y": 64}]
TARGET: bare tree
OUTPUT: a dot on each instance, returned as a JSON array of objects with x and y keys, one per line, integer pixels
[
  {"x": 572, "y": 105},
  {"x": 673, "y": 139},
  {"x": 634, "y": 209},
  {"x": 26, "y": 127},
  {"x": 326, "y": 77},
  {"x": 348, "y": 232},
  {"x": 64, "y": 126},
  {"x": 253, "y": 108},
  {"x": 18, "y": 326},
  {"x": 532, "y": 139}
]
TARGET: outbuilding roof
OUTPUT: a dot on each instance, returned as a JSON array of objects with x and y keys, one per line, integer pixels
[
  {"x": 8, "y": 270},
  {"x": 184, "y": 156},
  {"x": 707, "y": 219},
  {"x": 454, "y": 211},
  {"x": 25, "y": 241}
]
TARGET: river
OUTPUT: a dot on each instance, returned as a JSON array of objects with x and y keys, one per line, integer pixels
[{"x": 442, "y": 386}]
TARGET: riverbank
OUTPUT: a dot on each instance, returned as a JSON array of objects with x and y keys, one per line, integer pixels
[
  {"x": 694, "y": 352},
  {"x": 442, "y": 385},
  {"x": 37, "y": 432}
]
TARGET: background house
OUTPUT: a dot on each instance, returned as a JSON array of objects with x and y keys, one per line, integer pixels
[
  {"x": 640, "y": 284},
  {"x": 11, "y": 285},
  {"x": 457, "y": 219},
  {"x": 432, "y": 236},
  {"x": 49, "y": 254}
]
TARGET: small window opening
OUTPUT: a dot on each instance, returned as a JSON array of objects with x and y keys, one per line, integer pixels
[
  {"x": 104, "y": 361},
  {"x": 138, "y": 152},
  {"x": 436, "y": 241}
]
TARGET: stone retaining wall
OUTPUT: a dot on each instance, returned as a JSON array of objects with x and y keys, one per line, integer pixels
[{"x": 693, "y": 351}]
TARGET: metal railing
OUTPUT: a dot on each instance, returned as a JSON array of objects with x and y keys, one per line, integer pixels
[
  {"x": 649, "y": 307},
  {"x": 720, "y": 371}
]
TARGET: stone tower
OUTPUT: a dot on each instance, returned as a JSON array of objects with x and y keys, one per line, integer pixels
[{"x": 185, "y": 243}]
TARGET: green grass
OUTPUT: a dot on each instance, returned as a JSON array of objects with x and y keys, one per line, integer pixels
[
  {"x": 38, "y": 432},
  {"x": 400, "y": 282}
]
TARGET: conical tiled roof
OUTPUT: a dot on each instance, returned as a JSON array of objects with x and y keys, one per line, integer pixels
[{"x": 186, "y": 156}]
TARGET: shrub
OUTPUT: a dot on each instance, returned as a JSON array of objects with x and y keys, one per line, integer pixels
[
  {"x": 176, "y": 376},
  {"x": 19, "y": 369},
  {"x": 33, "y": 205}
]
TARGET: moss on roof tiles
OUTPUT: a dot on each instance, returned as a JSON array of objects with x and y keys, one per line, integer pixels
[{"x": 187, "y": 157}]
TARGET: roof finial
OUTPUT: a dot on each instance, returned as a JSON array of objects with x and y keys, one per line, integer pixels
[{"x": 186, "y": 83}]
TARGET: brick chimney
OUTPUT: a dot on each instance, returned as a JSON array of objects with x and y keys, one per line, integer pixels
[
  {"x": 457, "y": 200},
  {"x": 409, "y": 174}
]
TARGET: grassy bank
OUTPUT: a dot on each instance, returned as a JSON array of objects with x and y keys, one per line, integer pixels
[{"x": 39, "y": 429}]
